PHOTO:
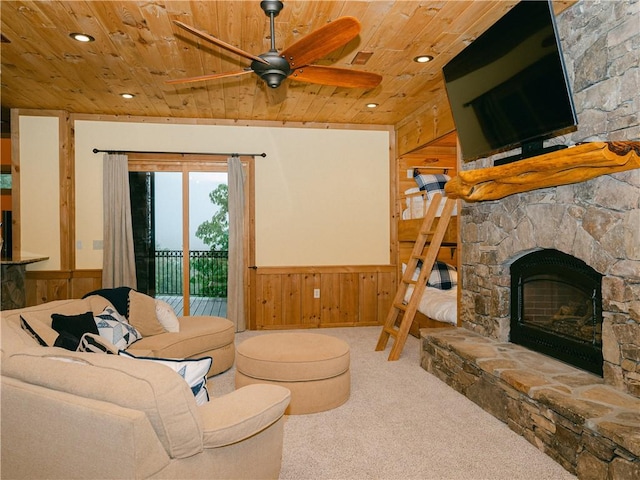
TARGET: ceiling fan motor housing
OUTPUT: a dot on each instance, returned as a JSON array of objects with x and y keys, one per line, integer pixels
[{"x": 274, "y": 73}]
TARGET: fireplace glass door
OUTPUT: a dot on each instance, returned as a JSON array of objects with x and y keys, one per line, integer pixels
[{"x": 556, "y": 308}]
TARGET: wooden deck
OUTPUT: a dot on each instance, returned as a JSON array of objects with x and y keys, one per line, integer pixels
[{"x": 198, "y": 305}]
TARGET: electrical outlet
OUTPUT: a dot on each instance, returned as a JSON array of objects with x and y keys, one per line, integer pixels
[
  {"x": 316, "y": 293},
  {"x": 410, "y": 173}
]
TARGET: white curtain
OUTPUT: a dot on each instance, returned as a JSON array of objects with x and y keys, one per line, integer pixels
[
  {"x": 235, "y": 282},
  {"x": 118, "y": 266}
]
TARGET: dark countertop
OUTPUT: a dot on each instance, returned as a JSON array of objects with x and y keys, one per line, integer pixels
[{"x": 22, "y": 260}]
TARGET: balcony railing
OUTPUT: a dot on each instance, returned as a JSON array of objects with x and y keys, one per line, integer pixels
[{"x": 207, "y": 273}]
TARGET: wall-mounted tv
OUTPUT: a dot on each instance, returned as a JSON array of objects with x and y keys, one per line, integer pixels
[{"x": 509, "y": 87}]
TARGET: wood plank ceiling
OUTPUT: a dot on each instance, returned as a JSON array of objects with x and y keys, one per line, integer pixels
[{"x": 137, "y": 48}]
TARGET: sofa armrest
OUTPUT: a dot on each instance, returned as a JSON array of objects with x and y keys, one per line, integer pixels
[{"x": 242, "y": 413}]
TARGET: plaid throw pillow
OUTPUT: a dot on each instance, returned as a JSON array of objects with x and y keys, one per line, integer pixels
[
  {"x": 443, "y": 276},
  {"x": 431, "y": 184}
]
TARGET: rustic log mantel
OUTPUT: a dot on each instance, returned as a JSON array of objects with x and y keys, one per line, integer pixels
[{"x": 571, "y": 165}]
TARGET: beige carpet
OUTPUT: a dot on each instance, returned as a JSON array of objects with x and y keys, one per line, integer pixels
[{"x": 401, "y": 423}]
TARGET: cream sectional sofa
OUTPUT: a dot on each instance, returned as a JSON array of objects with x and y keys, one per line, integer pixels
[
  {"x": 68, "y": 414},
  {"x": 198, "y": 336}
]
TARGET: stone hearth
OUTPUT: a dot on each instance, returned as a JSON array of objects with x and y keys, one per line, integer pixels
[{"x": 591, "y": 429}]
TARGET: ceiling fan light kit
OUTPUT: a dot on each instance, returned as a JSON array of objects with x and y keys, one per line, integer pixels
[{"x": 295, "y": 61}]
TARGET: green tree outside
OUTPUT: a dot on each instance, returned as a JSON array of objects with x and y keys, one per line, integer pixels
[
  {"x": 212, "y": 272},
  {"x": 215, "y": 232}
]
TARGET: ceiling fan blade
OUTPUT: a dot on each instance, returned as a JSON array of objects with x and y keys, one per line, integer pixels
[
  {"x": 209, "y": 77},
  {"x": 337, "y": 77},
  {"x": 322, "y": 41},
  {"x": 219, "y": 42}
]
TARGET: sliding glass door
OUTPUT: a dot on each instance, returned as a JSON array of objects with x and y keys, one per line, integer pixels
[{"x": 180, "y": 222}]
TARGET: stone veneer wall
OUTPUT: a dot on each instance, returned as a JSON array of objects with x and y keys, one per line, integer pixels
[{"x": 597, "y": 221}]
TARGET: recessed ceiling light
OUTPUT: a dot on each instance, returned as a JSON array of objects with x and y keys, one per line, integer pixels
[
  {"x": 82, "y": 37},
  {"x": 372, "y": 105},
  {"x": 127, "y": 95},
  {"x": 423, "y": 58}
]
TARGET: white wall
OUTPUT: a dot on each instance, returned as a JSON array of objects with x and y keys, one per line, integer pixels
[
  {"x": 39, "y": 190},
  {"x": 322, "y": 195}
]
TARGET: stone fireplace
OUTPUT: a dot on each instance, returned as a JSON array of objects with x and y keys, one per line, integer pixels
[{"x": 596, "y": 222}]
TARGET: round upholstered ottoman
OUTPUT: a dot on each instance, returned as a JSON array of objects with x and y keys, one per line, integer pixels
[{"x": 314, "y": 367}]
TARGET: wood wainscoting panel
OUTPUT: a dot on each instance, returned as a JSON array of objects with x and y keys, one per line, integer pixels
[
  {"x": 348, "y": 296},
  {"x": 85, "y": 281},
  {"x": 46, "y": 286}
]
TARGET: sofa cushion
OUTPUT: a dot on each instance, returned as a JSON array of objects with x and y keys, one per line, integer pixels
[
  {"x": 194, "y": 372},
  {"x": 74, "y": 326},
  {"x": 15, "y": 338},
  {"x": 142, "y": 314},
  {"x": 154, "y": 389},
  {"x": 44, "y": 311},
  {"x": 115, "y": 329},
  {"x": 39, "y": 331},
  {"x": 197, "y": 335}
]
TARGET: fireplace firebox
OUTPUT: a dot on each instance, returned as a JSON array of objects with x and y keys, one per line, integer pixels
[{"x": 556, "y": 308}]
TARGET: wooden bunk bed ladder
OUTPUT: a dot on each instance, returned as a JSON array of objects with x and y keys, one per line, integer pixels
[{"x": 426, "y": 249}]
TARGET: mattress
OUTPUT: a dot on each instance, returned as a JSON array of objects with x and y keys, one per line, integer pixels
[{"x": 441, "y": 305}]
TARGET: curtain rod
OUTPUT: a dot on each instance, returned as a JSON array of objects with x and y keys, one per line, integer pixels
[{"x": 111, "y": 152}]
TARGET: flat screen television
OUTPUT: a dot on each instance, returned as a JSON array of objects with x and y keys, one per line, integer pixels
[{"x": 509, "y": 87}]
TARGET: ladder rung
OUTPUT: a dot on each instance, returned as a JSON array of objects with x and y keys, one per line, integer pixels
[
  {"x": 400, "y": 306},
  {"x": 391, "y": 331}
]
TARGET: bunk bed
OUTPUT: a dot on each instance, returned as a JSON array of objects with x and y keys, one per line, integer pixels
[{"x": 438, "y": 304}]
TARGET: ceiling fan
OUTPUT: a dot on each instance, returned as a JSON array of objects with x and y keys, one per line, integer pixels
[{"x": 274, "y": 67}]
